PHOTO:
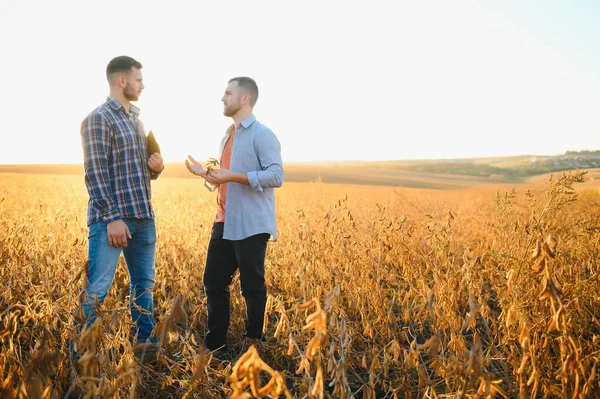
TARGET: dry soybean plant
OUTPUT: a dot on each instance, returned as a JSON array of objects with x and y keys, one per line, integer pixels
[{"x": 374, "y": 292}]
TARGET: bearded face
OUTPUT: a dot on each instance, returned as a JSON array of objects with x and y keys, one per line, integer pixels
[
  {"x": 231, "y": 108},
  {"x": 131, "y": 93},
  {"x": 232, "y": 99},
  {"x": 133, "y": 85}
]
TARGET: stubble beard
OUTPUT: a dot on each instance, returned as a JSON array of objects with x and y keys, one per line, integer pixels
[
  {"x": 231, "y": 110},
  {"x": 130, "y": 94}
]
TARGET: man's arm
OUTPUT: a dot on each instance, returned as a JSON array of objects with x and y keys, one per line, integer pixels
[
  {"x": 269, "y": 154},
  {"x": 220, "y": 176},
  {"x": 96, "y": 143}
]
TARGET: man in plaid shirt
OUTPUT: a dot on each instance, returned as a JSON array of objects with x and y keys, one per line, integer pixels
[{"x": 120, "y": 215}]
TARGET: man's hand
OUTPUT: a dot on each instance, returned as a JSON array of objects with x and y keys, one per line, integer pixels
[
  {"x": 118, "y": 232},
  {"x": 195, "y": 167},
  {"x": 218, "y": 176},
  {"x": 155, "y": 163},
  {"x": 221, "y": 176}
]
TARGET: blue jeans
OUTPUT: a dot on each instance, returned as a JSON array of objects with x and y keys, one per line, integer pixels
[{"x": 139, "y": 256}]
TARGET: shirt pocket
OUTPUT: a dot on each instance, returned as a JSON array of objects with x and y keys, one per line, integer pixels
[{"x": 124, "y": 145}]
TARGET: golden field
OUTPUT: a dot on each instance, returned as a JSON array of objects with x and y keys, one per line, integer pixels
[{"x": 375, "y": 292}]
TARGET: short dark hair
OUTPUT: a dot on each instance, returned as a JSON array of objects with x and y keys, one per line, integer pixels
[
  {"x": 121, "y": 63},
  {"x": 249, "y": 85}
]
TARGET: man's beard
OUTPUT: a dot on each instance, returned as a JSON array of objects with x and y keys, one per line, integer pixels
[
  {"x": 130, "y": 94},
  {"x": 231, "y": 110}
]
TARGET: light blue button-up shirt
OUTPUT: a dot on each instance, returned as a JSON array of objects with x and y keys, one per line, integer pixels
[{"x": 250, "y": 210}]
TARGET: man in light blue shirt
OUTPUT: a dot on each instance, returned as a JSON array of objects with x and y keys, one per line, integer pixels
[{"x": 250, "y": 169}]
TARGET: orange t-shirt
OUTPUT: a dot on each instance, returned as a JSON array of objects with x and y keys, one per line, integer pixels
[{"x": 224, "y": 164}]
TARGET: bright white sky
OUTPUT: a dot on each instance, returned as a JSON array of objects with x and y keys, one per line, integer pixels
[{"x": 339, "y": 80}]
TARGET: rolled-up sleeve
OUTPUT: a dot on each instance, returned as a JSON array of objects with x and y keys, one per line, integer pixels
[
  {"x": 268, "y": 150},
  {"x": 96, "y": 142}
]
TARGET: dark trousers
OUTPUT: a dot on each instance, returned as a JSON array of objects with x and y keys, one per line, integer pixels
[{"x": 222, "y": 260}]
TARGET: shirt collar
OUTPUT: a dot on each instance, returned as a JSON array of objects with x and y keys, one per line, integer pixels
[
  {"x": 114, "y": 104},
  {"x": 248, "y": 121},
  {"x": 245, "y": 124}
]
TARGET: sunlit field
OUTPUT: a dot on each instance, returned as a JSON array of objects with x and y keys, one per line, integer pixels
[{"x": 374, "y": 292}]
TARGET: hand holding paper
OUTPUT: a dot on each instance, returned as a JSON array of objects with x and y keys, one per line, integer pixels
[
  {"x": 151, "y": 144},
  {"x": 155, "y": 160}
]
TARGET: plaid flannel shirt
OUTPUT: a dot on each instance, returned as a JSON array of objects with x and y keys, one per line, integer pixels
[{"x": 117, "y": 176}]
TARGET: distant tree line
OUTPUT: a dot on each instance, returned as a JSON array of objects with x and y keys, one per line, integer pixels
[
  {"x": 468, "y": 169},
  {"x": 535, "y": 166},
  {"x": 584, "y": 153}
]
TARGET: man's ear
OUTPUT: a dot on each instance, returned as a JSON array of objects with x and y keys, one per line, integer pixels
[
  {"x": 117, "y": 80},
  {"x": 121, "y": 81},
  {"x": 246, "y": 98}
]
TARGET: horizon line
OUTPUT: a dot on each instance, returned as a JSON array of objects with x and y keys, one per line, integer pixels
[{"x": 343, "y": 160}]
